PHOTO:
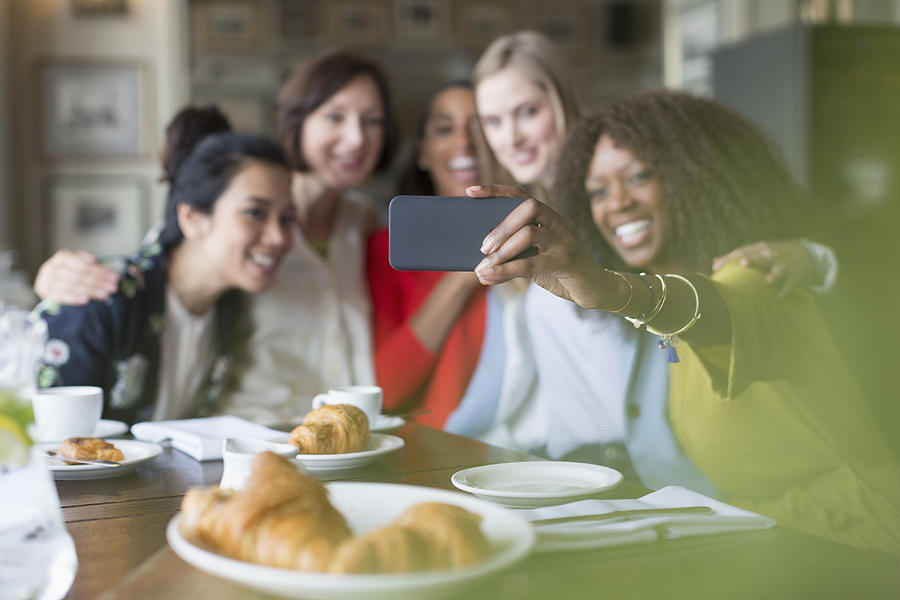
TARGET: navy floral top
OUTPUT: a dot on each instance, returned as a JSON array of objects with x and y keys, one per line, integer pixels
[{"x": 114, "y": 344}]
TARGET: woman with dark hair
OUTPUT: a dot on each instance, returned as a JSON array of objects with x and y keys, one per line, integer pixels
[
  {"x": 759, "y": 399},
  {"x": 160, "y": 345},
  {"x": 75, "y": 277},
  {"x": 313, "y": 329},
  {"x": 428, "y": 325}
]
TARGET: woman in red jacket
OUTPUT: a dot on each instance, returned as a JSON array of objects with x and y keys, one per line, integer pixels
[{"x": 429, "y": 325}]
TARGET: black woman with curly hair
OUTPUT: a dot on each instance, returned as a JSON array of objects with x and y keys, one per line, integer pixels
[{"x": 759, "y": 398}]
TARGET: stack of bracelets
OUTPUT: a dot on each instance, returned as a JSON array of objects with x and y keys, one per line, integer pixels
[{"x": 667, "y": 340}]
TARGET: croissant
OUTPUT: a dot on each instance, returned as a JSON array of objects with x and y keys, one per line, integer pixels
[
  {"x": 282, "y": 518},
  {"x": 332, "y": 429},
  {"x": 89, "y": 448},
  {"x": 431, "y": 535}
]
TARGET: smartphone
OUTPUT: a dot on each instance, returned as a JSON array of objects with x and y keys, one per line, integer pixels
[{"x": 442, "y": 233}]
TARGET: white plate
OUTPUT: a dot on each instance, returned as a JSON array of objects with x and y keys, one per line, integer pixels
[
  {"x": 135, "y": 452},
  {"x": 379, "y": 445},
  {"x": 537, "y": 483},
  {"x": 105, "y": 428},
  {"x": 368, "y": 506},
  {"x": 387, "y": 424}
]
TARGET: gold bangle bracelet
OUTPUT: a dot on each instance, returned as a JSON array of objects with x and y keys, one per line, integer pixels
[
  {"x": 671, "y": 338},
  {"x": 651, "y": 313},
  {"x": 630, "y": 290}
]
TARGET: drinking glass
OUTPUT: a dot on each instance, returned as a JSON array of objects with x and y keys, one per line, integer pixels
[{"x": 37, "y": 556}]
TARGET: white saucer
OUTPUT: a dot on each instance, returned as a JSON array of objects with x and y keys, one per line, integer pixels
[
  {"x": 105, "y": 428},
  {"x": 136, "y": 453},
  {"x": 536, "y": 483},
  {"x": 387, "y": 424},
  {"x": 379, "y": 445}
]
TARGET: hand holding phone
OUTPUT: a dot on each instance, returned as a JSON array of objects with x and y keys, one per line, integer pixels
[{"x": 442, "y": 233}]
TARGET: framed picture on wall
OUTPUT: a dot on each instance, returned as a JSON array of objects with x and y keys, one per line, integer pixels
[
  {"x": 358, "y": 22},
  {"x": 92, "y": 108},
  {"x": 564, "y": 22},
  {"x": 106, "y": 215},
  {"x": 228, "y": 25},
  {"x": 421, "y": 20},
  {"x": 479, "y": 23},
  {"x": 300, "y": 21}
]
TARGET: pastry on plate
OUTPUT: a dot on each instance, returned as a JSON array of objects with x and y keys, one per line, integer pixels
[
  {"x": 283, "y": 518},
  {"x": 89, "y": 448},
  {"x": 332, "y": 429}
]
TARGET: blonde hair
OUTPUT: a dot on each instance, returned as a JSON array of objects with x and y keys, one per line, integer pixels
[{"x": 537, "y": 59}]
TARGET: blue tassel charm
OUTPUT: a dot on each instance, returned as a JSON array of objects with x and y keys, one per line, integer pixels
[
  {"x": 673, "y": 355},
  {"x": 669, "y": 343}
]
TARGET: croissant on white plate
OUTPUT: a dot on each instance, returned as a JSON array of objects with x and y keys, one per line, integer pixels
[
  {"x": 332, "y": 429},
  {"x": 283, "y": 518}
]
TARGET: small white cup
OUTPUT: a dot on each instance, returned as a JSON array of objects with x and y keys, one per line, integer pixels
[
  {"x": 237, "y": 458},
  {"x": 367, "y": 398},
  {"x": 68, "y": 411}
]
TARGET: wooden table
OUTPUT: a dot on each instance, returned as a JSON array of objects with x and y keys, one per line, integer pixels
[{"x": 119, "y": 530}]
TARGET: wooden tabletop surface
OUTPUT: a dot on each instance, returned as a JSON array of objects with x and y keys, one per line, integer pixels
[{"x": 118, "y": 526}]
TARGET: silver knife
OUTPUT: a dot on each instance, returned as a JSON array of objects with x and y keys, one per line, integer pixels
[{"x": 627, "y": 514}]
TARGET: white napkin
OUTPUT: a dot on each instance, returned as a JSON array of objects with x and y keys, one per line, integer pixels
[
  {"x": 642, "y": 528},
  {"x": 202, "y": 438}
]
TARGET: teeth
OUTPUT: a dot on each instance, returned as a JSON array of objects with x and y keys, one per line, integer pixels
[
  {"x": 263, "y": 260},
  {"x": 633, "y": 231},
  {"x": 461, "y": 162},
  {"x": 523, "y": 156}
]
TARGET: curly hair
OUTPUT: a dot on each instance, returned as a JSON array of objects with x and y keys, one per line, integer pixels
[{"x": 725, "y": 184}]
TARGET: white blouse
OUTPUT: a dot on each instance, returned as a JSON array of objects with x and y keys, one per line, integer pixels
[
  {"x": 185, "y": 357},
  {"x": 312, "y": 330}
]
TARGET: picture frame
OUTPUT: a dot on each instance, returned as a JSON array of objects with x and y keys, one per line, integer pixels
[
  {"x": 358, "y": 22},
  {"x": 300, "y": 22},
  {"x": 479, "y": 23},
  {"x": 421, "y": 21},
  {"x": 92, "y": 108},
  {"x": 107, "y": 215},
  {"x": 228, "y": 25},
  {"x": 247, "y": 113},
  {"x": 99, "y": 8},
  {"x": 563, "y": 22}
]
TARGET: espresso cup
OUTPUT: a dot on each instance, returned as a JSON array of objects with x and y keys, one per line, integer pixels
[
  {"x": 67, "y": 411},
  {"x": 367, "y": 398}
]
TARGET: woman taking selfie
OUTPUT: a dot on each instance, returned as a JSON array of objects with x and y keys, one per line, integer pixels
[
  {"x": 160, "y": 346},
  {"x": 759, "y": 398}
]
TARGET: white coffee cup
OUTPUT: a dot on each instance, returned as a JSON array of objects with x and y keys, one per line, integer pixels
[
  {"x": 238, "y": 454},
  {"x": 367, "y": 398},
  {"x": 67, "y": 411}
]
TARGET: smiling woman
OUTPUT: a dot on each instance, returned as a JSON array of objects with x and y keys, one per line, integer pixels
[{"x": 160, "y": 346}]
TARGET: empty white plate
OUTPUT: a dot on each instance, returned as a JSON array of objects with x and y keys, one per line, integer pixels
[{"x": 536, "y": 483}]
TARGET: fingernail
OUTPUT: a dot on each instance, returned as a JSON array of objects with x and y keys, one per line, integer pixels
[
  {"x": 487, "y": 246},
  {"x": 484, "y": 272},
  {"x": 484, "y": 264},
  {"x": 473, "y": 188}
]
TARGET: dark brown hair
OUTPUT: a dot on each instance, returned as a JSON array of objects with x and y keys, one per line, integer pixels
[
  {"x": 189, "y": 125},
  {"x": 311, "y": 85},
  {"x": 725, "y": 184}
]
